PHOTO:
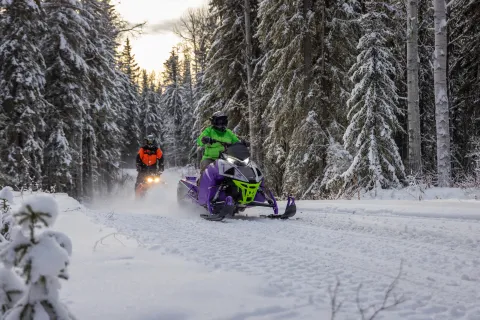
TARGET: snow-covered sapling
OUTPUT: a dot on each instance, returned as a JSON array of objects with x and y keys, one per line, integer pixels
[
  {"x": 42, "y": 255},
  {"x": 6, "y": 199},
  {"x": 11, "y": 289}
]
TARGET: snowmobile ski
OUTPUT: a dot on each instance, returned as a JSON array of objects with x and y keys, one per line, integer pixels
[
  {"x": 220, "y": 210},
  {"x": 290, "y": 211}
]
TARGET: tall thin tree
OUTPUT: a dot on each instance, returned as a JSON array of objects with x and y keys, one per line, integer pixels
[
  {"x": 414, "y": 137},
  {"x": 442, "y": 115}
]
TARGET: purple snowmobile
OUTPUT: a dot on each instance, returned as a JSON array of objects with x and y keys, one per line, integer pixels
[{"x": 230, "y": 185}]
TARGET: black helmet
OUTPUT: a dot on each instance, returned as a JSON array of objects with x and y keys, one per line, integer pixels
[
  {"x": 150, "y": 140},
  {"x": 219, "y": 121}
]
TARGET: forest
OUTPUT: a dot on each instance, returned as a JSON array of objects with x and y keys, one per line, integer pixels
[{"x": 334, "y": 96}]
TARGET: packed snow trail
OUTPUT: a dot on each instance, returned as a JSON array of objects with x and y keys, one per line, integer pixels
[{"x": 300, "y": 259}]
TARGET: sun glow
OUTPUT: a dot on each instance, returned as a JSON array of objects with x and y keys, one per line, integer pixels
[{"x": 153, "y": 47}]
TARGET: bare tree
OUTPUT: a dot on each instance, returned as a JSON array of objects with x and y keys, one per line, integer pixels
[
  {"x": 442, "y": 115},
  {"x": 194, "y": 30},
  {"x": 414, "y": 138}
]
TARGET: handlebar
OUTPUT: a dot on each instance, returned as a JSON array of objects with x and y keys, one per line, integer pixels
[{"x": 226, "y": 144}]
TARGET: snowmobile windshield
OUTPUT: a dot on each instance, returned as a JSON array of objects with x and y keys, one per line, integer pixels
[{"x": 239, "y": 151}]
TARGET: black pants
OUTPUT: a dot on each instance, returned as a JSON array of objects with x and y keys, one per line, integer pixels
[{"x": 204, "y": 164}]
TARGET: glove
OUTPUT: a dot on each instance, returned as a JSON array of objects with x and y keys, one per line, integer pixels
[
  {"x": 246, "y": 143},
  {"x": 207, "y": 140}
]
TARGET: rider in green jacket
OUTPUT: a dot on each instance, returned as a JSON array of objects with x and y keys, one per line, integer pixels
[{"x": 217, "y": 131}]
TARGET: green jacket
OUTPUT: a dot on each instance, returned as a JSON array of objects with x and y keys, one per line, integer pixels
[{"x": 212, "y": 151}]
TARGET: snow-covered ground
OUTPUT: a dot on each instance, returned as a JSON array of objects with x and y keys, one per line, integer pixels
[{"x": 157, "y": 261}]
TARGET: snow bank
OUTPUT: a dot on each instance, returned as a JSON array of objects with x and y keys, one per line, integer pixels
[
  {"x": 421, "y": 193},
  {"x": 452, "y": 209}
]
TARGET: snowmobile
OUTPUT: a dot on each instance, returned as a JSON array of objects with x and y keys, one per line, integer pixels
[
  {"x": 230, "y": 185},
  {"x": 149, "y": 180}
]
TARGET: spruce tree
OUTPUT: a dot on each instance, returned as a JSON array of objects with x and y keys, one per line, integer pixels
[
  {"x": 173, "y": 103},
  {"x": 111, "y": 116},
  {"x": 281, "y": 40},
  {"x": 105, "y": 127},
  {"x": 188, "y": 122},
  {"x": 22, "y": 81},
  {"x": 32, "y": 239},
  {"x": 373, "y": 108},
  {"x": 130, "y": 98},
  {"x": 224, "y": 92},
  {"x": 128, "y": 64},
  {"x": 149, "y": 106},
  {"x": 464, "y": 84},
  {"x": 66, "y": 91}
]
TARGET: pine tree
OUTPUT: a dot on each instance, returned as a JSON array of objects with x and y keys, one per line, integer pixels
[
  {"x": 464, "y": 84},
  {"x": 130, "y": 99},
  {"x": 280, "y": 33},
  {"x": 11, "y": 290},
  {"x": 112, "y": 115},
  {"x": 188, "y": 144},
  {"x": 307, "y": 51},
  {"x": 21, "y": 92},
  {"x": 128, "y": 64},
  {"x": 106, "y": 117},
  {"x": 150, "y": 105},
  {"x": 66, "y": 91},
  {"x": 373, "y": 108},
  {"x": 173, "y": 102},
  {"x": 32, "y": 238},
  {"x": 222, "y": 91}
]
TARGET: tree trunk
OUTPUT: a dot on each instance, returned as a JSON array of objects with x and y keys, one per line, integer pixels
[
  {"x": 79, "y": 173},
  {"x": 414, "y": 138},
  {"x": 307, "y": 50},
  {"x": 442, "y": 116},
  {"x": 248, "y": 63}
]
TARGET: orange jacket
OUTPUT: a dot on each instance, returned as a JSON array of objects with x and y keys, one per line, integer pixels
[{"x": 149, "y": 157}]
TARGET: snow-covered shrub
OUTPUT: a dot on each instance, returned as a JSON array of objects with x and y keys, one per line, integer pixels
[
  {"x": 6, "y": 198},
  {"x": 11, "y": 289},
  {"x": 42, "y": 256}
]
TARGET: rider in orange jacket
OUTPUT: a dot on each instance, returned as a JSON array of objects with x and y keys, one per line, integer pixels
[{"x": 149, "y": 159}]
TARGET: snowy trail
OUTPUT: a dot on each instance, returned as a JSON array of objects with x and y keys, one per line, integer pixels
[{"x": 299, "y": 259}]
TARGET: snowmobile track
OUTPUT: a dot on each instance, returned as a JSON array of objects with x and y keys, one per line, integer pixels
[{"x": 301, "y": 258}]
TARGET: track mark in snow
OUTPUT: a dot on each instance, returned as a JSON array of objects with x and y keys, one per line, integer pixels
[{"x": 300, "y": 260}]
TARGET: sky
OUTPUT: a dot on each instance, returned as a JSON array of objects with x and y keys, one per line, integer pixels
[{"x": 153, "y": 47}]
